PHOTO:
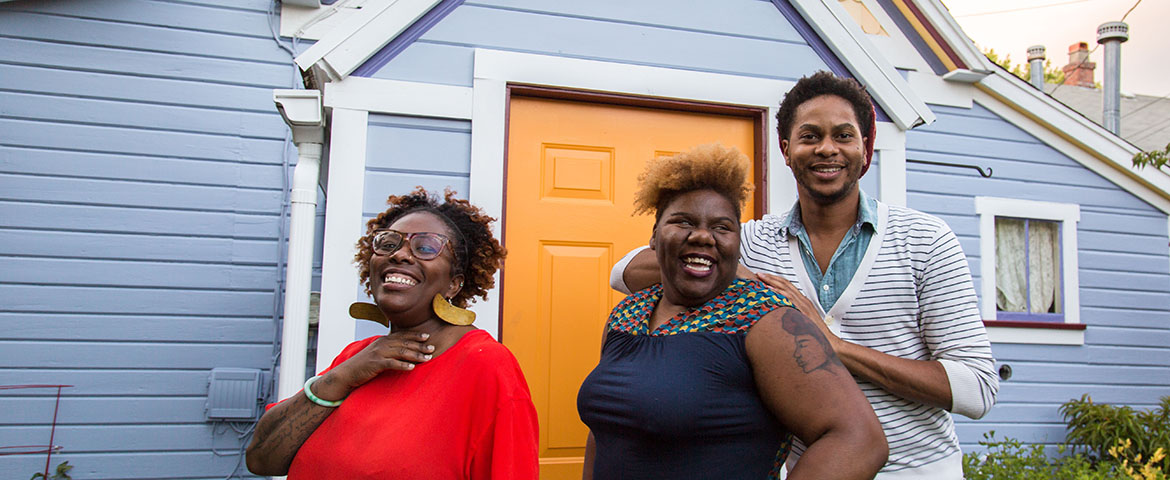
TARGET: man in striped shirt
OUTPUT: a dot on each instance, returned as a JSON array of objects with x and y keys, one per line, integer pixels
[{"x": 891, "y": 284}]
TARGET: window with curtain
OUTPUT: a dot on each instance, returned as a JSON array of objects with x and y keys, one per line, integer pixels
[{"x": 1028, "y": 280}]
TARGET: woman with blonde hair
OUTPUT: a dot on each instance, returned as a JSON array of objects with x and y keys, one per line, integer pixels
[{"x": 706, "y": 375}]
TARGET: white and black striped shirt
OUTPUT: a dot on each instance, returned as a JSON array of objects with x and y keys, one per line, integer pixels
[{"x": 911, "y": 297}]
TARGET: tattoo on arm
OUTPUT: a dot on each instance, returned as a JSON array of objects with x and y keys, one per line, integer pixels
[{"x": 813, "y": 351}]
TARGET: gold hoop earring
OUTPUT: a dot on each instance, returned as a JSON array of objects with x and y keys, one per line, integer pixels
[{"x": 450, "y": 313}]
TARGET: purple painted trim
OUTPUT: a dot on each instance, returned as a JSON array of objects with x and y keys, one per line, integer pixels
[
  {"x": 1030, "y": 317},
  {"x": 820, "y": 47},
  {"x": 1027, "y": 268},
  {"x": 406, "y": 38},
  {"x": 328, "y": 2},
  {"x": 923, "y": 49}
]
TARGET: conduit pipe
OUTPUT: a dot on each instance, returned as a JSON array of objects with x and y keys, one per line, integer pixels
[
  {"x": 1112, "y": 35},
  {"x": 302, "y": 111}
]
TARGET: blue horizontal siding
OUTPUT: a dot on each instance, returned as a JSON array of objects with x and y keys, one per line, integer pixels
[
  {"x": 128, "y": 327},
  {"x": 405, "y": 152},
  {"x": 117, "y": 410},
  {"x": 748, "y": 38},
  {"x": 83, "y": 84},
  {"x": 141, "y": 184},
  {"x": 107, "y": 382},
  {"x": 145, "y": 465},
  {"x": 176, "y": 355},
  {"x": 117, "y": 246},
  {"x": 50, "y": 161},
  {"x": 147, "y": 221},
  {"x": 1124, "y": 271}
]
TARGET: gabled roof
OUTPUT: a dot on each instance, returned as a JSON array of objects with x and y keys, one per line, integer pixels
[
  {"x": 340, "y": 53},
  {"x": 1145, "y": 119},
  {"x": 1099, "y": 147}
]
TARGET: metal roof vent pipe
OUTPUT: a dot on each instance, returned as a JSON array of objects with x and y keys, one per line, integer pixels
[
  {"x": 1036, "y": 66},
  {"x": 1112, "y": 35}
]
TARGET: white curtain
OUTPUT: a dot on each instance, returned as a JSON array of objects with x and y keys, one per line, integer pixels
[{"x": 1042, "y": 266}]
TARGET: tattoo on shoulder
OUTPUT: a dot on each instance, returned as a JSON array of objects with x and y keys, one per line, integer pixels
[{"x": 813, "y": 351}]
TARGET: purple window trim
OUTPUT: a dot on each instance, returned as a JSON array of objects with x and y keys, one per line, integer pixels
[
  {"x": 1027, "y": 316},
  {"x": 406, "y": 38}
]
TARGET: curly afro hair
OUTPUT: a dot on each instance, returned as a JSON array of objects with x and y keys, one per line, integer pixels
[
  {"x": 825, "y": 83},
  {"x": 713, "y": 167},
  {"x": 477, "y": 253}
]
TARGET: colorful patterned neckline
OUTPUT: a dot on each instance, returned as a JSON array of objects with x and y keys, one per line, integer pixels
[{"x": 733, "y": 311}]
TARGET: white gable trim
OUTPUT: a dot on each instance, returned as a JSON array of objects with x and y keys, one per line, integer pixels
[
  {"x": 343, "y": 226},
  {"x": 845, "y": 37},
  {"x": 1068, "y": 215},
  {"x": 347, "y": 47},
  {"x": 1045, "y": 117}
]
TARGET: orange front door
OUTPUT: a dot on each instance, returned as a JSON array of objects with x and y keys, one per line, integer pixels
[{"x": 572, "y": 171}]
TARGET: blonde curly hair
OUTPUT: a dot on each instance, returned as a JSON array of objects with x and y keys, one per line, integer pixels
[{"x": 723, "y": 170}]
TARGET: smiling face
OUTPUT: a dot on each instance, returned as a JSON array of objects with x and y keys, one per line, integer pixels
[
  {"x": 403, "y": 285},
  {"x": 696, "y": 240},
  {"x": 825, "y": 149}
]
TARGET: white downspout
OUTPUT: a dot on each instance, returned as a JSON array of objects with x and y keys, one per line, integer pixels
[{"x": 302, "y": 111}]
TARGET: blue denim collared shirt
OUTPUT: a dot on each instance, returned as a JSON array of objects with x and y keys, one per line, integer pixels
[{"x": 845, "y": 260}]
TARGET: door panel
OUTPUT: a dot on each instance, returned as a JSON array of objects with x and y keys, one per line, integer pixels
[{"x": 572, "y": 171}]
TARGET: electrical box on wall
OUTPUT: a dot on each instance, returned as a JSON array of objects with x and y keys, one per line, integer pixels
[{"x": 233, "y": 393}]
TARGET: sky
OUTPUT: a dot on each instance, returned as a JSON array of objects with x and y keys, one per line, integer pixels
[{"x": 1011, "y": 26}]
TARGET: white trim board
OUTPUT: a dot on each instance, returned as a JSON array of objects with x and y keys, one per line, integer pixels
[
  {"x": 1035, "y": 336},
  {"x": 1068, "y": 215},
  {"x": 343, "y": 226},
  {"x": 1154, "y": 187}
]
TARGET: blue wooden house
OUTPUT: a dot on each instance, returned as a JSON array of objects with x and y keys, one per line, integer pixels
[{"x": 147, "y": 178}]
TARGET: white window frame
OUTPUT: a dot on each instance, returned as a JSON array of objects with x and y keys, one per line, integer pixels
[{"x": 1068, "y": 214}]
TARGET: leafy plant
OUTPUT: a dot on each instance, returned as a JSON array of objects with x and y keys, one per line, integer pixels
[
  {"x": 62, "y": 473},
  {"x": 1134, "y": 467},
  {"x": 1098, "y": 428},
  {"x": 1009, "y": 459},
  {"x": 1157, "y": 158}
]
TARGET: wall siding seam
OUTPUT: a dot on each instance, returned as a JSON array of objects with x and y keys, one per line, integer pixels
[
  {"x": 124, "y": 180},
  {"x": 129, "y": 101},
  {"x": 114, "y": 48},
  {"x": 268, "y": 86},
  {"x": 239, "y": 211},
  {"x": 161, "y": 26},
  {"x": 140, "y": 128},
  {"x": 50, "y": 148}
]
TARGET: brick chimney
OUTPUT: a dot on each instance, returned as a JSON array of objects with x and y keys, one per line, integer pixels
[{"x": 1079, "y": 71}]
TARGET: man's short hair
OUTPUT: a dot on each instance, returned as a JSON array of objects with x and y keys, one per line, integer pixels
[{"x": 825, "y": 83}]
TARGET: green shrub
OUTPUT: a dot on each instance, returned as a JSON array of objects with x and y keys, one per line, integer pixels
[
  {"x": 1009, "y": 459},
  {"x": 1097, "y": 427}
]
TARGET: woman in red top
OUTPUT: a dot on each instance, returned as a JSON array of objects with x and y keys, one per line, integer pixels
[{"x": 436, "y": 398}]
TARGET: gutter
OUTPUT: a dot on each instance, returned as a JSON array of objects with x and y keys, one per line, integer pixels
[{"x": 303, "y": 112}]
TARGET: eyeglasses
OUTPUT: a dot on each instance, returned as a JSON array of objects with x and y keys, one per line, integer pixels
[{"x": 423, "y": 245}]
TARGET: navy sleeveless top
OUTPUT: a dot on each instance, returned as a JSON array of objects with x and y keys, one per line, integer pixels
[{"x": 681, "y": 401}]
